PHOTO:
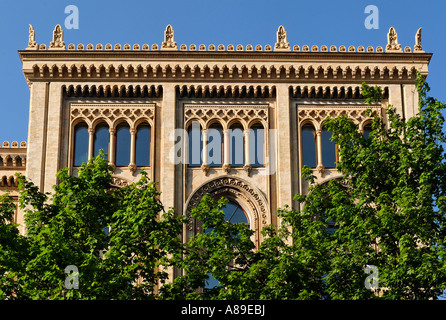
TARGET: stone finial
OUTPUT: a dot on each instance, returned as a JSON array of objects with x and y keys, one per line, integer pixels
[
  {"x": 392, "y": 41},
  {"x": 32, "y": 44},
  {"x": 169, "y": 42},
  {"x": 281, "y": 44},
  {"x": 57, "y": 43},
  {"x": 417, "y": 47}
]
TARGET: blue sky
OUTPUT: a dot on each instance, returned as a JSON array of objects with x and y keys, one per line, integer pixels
[{"x": 209, "y": 22}]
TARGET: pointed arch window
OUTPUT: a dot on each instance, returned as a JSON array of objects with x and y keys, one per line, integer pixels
[
  {"x": 256, "y": 145},
  {"x": 215, "y": 145},
  {"x": 195, "y": 144},
  {"x": 101, "y": 139},
  {"x": 309, "y": 146},
  {"x": 328, "y": 149},
  {"x": 81, "y": 138},
  {"x": 237, "y": 146}
]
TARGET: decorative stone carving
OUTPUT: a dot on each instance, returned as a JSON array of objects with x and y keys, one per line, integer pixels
[
  {"x": 169, "y": 42},
  {"x": 321, "y": 169},
  {"x": 282, "y": 44},
  {"x": 247, "y": 168},
  {"x": 392, "y": 41},
  {"x": 119, "y": 182},
  {"x": 417, "y": 47},
  {"x": 112, "y": 112},
  {"x": 239, "y": 189},
  {"x": 57, "y": 43},
  {"x": 205, "y": 168},
  {"x": 132, "y": 168},
  {"x": 227, "y": 168},
  {"x": 32, "y": 44},
  {"x": 318, "y": 113}
]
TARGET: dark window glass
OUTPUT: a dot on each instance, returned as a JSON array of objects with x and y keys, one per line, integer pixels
[
  {"x": 328, "y": 150},
  {"x": 195, "y": 145},
  {"x": 367, "y": 130},
  {"x": 237, "y": 146},
  {"x": 123, "y": 145},
  {"x": 81, "y": 138},
  {"x": 101, "y": 137},
  {"x": 142, "y": 145},
  {"x": 215, "y": 145},
  {"x": 256, "y": 144},
  {"x": 309, "y": 146}
]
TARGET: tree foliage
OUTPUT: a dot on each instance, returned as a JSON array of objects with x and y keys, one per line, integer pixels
[{"x": 119, "y": 240}]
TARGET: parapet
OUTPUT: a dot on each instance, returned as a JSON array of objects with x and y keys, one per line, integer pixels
[{"x": 169, "y": 44}]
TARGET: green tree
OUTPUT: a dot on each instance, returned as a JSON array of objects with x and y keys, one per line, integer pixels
[
  {"x": 388, "y": 212},
  {"x": 119, "y": 240}
]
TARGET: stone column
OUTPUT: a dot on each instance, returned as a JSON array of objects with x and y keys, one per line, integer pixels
[
  {"x": 167, "y": 175},
  {"x": 54, "y": 135},
  {"x": 112, "y": 153},
  {"x": 167, "y": 145},
  {"x": 205, "y": 165},
  {"x": 396, "y": 99},
  {"x": 37, "y": 132},
  {"x": 132, "y": 165},
  {"x": 247, "y": 165},
  {"x": 226, "y": 151},
  {"x": 410, "y": 95},
  {"x": 320, "y": 166},
  {"x": 284, "y": 161},
  {"x": 246, "y": 134}
]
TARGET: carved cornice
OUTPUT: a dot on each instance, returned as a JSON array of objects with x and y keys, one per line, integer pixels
[{"x": 226, "y": 114}]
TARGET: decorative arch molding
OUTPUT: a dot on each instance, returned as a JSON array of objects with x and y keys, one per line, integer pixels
[
  {"x": 226, "y": 114},
  {"x": 244, "y": 193}
]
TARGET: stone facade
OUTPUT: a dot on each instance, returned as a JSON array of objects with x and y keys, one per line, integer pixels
[{"x": 280, "y": 87}]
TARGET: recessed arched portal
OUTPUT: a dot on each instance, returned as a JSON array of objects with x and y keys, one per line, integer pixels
[{"x": 239, "y": 192}]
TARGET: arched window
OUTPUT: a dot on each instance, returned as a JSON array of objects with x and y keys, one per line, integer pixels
[
  {"x": 236, "y": 146},
  {"x": 122, "y": 145},
  {"x": 367, "y": 130},
  {"x": 101, "y": 137},
  {"x": 195, "y": 145},
  {"x": 81, "y": 138},
  {"x": 233, "y": 214},
  {"x": 309, "y": 146},
  {"x": 328, "y": 149},
  {"x": 143, "y": 136},
  {"x": 215, "y": 145},
  {"x": 256, "y": 145}
]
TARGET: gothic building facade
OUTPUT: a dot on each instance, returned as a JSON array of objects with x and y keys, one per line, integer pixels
[{"x": 235, "y": 121}]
